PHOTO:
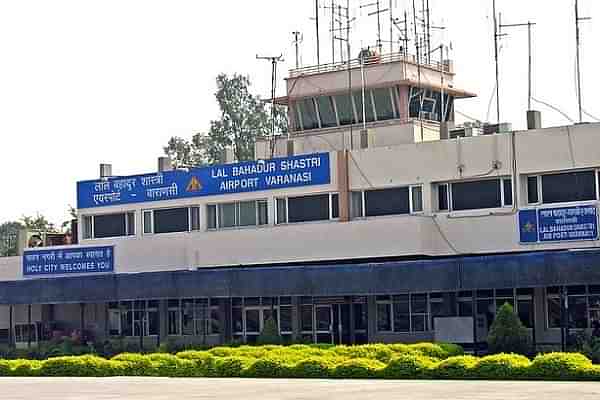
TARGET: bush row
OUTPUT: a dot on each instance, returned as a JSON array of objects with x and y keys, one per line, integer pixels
[{"x": 553, "y": 366}]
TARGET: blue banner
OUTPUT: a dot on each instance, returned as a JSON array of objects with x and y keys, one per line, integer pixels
[
  {"x": 250, "y": 176},
  {"x": 558, "y": 224},
  {"x": 79, "y": 260}
]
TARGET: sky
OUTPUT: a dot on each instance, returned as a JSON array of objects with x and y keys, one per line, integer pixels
[{"x": 87, "y": 82}]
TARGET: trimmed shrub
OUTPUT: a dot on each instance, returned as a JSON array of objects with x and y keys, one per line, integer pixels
[
  {"x": 172, "y": 366},
  {"x": 452, "y": 350},
  {"x": 222, "y": 351},
  {"x": 4, "y": 368},
  {"x": 268, "y": 368},
  {"x": 24, "y": 368},
  {"x": 135, "y": 364},
  {"x": 81, "y": 366},
  {"x": 560, "y": 366},
  {"x": 358, "y": 368},
  {"x": 314, "y": 367},
  {"x": 378, "y": 352},
  {"x": 457, "y": 367},
  {"x": 507, "y": 334},
  {"x": 231, "y": 367},
  {"x": 501, "y": 367},
  {"x": 409, "y": 366},
  {"x": 205, "y": 362}
]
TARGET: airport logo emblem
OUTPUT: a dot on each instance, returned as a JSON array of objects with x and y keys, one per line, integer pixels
[
  {"x": 529, "y": 227},
  {"x": 194, "y": 185}
]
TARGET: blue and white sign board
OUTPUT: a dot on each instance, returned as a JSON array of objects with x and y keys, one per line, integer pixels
[
  {"x": 250, "y": 176},
  {"x": 558, "y": 224},
  {"x": 79, "y": 260}
]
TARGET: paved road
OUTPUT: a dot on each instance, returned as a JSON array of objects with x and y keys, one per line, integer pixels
[{"x": 246, "y": 389}]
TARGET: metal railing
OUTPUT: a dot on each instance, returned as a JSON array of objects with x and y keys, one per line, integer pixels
[{"x": 368, "y": 61}]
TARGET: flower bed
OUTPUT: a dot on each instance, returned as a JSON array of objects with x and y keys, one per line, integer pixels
[{"x": 376, "y": 361}]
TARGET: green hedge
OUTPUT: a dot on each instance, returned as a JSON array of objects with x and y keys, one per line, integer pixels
[{"x": 423, "y": 361}]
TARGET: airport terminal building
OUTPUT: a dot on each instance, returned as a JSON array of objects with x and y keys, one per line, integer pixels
[{"x": 375, "y": 220}]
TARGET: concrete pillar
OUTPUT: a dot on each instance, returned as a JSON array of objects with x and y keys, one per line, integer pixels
[
  {"x": 539, "y": 315},
  {"x": 296, "y": 334},
  {"x": 29, "y": 326},
  {"x": 82, "y": 317},
  {"x": 11, "y": 327},
  {"x": 372, "y": 318},
  {"x": 403, "y": 103},
  {"x": 352, "y": 327},
  {"x": 163, "y": 321},
  {"x": 343, "y": 185},
  {"x": 227, "y": 326}
]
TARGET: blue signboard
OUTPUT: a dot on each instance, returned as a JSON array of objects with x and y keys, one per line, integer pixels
[
  {"x": 79, "y": 260},
  {"x": 558, "y": 224},
  {"x": 250, "y": 176}
]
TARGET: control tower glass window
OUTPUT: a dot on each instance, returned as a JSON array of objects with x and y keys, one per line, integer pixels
[
  {"x": 326, "y": 112},
  {"x": 345, "y": 109},
  {"x": 384, "y": 104},
  {"x": 308, "y": 114},
  {"x": 368, "y": 111}
]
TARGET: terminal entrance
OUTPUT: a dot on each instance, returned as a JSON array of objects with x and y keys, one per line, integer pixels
[{"x": 340, "y": 321}]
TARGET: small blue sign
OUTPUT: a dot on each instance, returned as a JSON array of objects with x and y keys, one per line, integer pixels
[
  {"x": 559, "y": 224},
  {"x": 67, "y": 261},
  {"x": 528, "y": 226},
  {"x": 277, "y": 173}
]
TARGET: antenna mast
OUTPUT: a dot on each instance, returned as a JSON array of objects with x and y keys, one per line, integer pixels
[
  {"x": 274, "y": 61},
  {"x": 377, "y": 12},
  {"x": 529, "y": 26},
  {"x": 317, "y": 26},
  {"x": 496, "y": 36},
  {"x": 578, "y": 42},
  {"x": 297, "y": 40}
]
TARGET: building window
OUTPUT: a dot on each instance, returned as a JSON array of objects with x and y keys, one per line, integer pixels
[
  {"x": 133, "y": 318},
  {"x": 238, "y": 214},
  {"x": 171, "y": 220},
  {"x": 394, "y": 201},
  {"x": 250, "y": 314},
  {"x": 562, "y": 188},
  {"x": 307, "y": 208},
  {"x": 403, "y": 313},
  {"x": 193, "y": 317},
  {"x": 533, "y": 196},
  {"x": 475, "y": 195},
  {"x": 108, "y": 225}
]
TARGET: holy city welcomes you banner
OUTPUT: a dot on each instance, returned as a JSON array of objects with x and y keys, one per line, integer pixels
[{"x": 277, "y": 173}]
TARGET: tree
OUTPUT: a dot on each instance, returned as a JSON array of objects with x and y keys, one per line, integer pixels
[
  {"x": 9, "y": 232},
  {"x": 244, "y": 118},
  {"x": 507, "y": 334},
  {"x": 270, "y": 333},
  {"x": 37, "y": 223}
]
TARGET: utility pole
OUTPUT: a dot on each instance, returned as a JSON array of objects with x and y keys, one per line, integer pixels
[
  {"x": 529, "y": 26},
  {"x": 297, "y": 40},
  {"x": 578, "y": 44},
  {"x": 274, "y": 61}
]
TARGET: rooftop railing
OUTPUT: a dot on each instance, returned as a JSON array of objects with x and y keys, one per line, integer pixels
[{"x": 368, "y": 61}]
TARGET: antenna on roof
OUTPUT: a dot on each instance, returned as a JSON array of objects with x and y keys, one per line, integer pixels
[
  {"x": 377, "y": 12},
  {"x": 274, "y": 61},
  {"x": 497, "y": 35},
  {"x": 529, "y": 26},
  {"x": 317, "y": 27},
  {"x": 404, "y": 39},
  {"x": 297, "y": 40},
  {"x": 333, "y": 7},
  {"x": 578, "y": 43}
]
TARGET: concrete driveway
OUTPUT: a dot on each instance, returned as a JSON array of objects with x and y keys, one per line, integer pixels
[{"x": 254, "y": 389}]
